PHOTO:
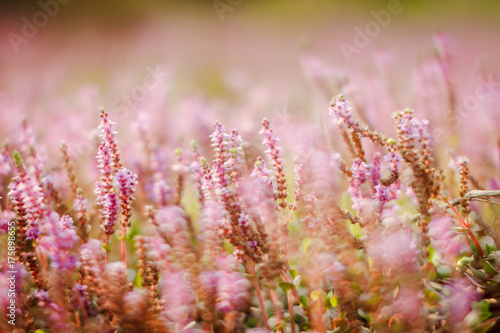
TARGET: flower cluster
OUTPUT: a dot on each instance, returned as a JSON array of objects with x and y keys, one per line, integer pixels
[
  {"x": 377, "y": 236},
  {"x": 59, "y": 237}
]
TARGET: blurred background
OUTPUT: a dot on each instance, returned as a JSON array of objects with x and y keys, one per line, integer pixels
[{"x": 237, "y": 61}]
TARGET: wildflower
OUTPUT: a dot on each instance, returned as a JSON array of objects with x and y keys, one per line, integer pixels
[
  {"x": 374, "y": 169},
  {"x": 341, "y": 110},
  {"x": 80, "y": 300},
  {"x": 232, "y": 291},
  {"x": 108, "y": 136},
  {"x": 444, "y": 238},
  {"x": 58, "y": 238},
  {"x": 458, "y": 298},
  {"x": 126, "y": 183},
  {"x": 162, "y": 193},
  {"x": 27, "y": 197},
  {"x": 57, "y": 318},
  {"x": 273, "y": 150},
  {"x": 359, "y": 175},
  {"x": 177, "y": 292},
  {"x": 232, "y": 286},
  {"x": 106, "y": 196},
  {"x": 397, "y": 249}
]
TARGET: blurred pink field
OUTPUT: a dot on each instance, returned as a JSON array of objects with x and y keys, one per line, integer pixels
[{"x": 342, "y": 211}]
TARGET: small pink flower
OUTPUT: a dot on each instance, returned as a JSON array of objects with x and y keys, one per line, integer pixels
[{"x": 397, "y": 250}]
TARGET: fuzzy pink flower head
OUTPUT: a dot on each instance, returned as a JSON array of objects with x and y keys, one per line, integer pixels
[
  {"x": 59, "y": 236},
  {"x": 171, "y": 220},
  {"x": 397, "y": 250},
  {"x": 208, "y": 280},
  {"x": 412, "y": 131},
  {"x": 105, "y": 161},
  {"x": 270, "y": 140},
  {"x": 358, "y": 177},
  {"x": 27, "y": 194},
  {"x": 393, "y": 160},
  {"x": 162, "y": 193},
  {"x": 444, "y": 238},
  {"x": 92, "y": 257},
  {"x": 232, "y": 291},
  {"x": 80, "y": 204},
  {"x": 459, "y": 297},
  {"x": 341, "y": 110},
  {"x": 126, "y": 182},
  {"x": 156, "y": 249},
  {"x": 226, "y": 263},
  {"x": 212, "y": 216},
  {"x": 219, "y": 141},
  {"x": 359, "y": 171},
  {"x": 374, "y": 169},
  {"x": 106, "y": 128},
  {"x": 382, "y": 195},
  {"x": 409, "y": 303},
  {"x": 327, "y": 266},
  {"x": 55, "y": 313},
  {"x": 110, "y": 210},
  {"x": 234, "y": 148},
  {"x": 177, "y": 291},
  {"x": 262, "y": 174}
]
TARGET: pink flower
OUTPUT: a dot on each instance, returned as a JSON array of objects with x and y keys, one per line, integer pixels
[
  {"x": 59, "y": 236},
  {"x": 177, "y": 292},
  {"x": 374, "y": 169},
  {"x": 126, "y": 183},
  {"x": 458, "y": 299},
  {"x": 359, "y": 176},
  {"x": 341, "y": 110},
  {"x": 232, "y": 291},
  {"x": 397, "y": 250},
  {"x": 444, "y": 238},
  {"x": 28, "y": 199}
]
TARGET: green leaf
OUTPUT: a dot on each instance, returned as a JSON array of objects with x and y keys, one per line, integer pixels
[
  {"x": 485, "y": 326},
  {"x": 285, "y": 286},
  {"x": 481, "y": 306},
  {"x": 106, "y": 247},
  {"x": 464, "y": 261},
  {"x": 488, "y": 249},
  {"x": 475, "y": 251},
  {"x": 334, "y": 301},
  {"x": 293, "y": 273},
  {"x": 304, "y": 301},
  {"x": 477, "y": 273},
  {"x": 18, "y": 159},
  {"x": 489, "y": 269},
  {"x": 355, "y": 230},
  {"x": 444, "y": 271}
]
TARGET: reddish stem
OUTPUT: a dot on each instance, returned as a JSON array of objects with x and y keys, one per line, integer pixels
[
  {"x": 251, "y": 270},
  {"x": 466, "y": 226},
  {"x": 106, "y": 259},
  {"x": 122, "y": 244}
]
